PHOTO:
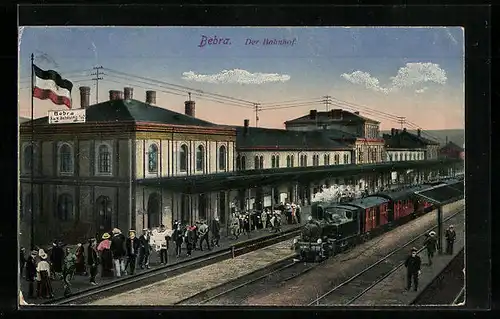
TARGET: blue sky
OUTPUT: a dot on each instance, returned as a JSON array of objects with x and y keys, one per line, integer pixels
[{"x": 313, "y": 65}]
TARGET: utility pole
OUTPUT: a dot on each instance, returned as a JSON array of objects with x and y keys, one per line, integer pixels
[
  {"x": 402, "y": 121},
  {"x": 257, "y": 109},
  {"x": 327, "y": 102},
  {"x": 96, "y": 79}
]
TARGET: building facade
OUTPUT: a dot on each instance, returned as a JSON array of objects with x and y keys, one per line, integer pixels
[
  {"x": 405, "y": 146},
  {"x": 85, "y": 174}
]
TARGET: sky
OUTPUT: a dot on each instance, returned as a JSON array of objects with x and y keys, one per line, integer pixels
[{"x": 384, "y": 73}]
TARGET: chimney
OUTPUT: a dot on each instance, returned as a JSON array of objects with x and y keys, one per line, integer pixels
[
  {"x": 246, "y": 124},
  {"x": 189, "y": 108},
  {"x": 396, "y": 132},
  {"x": 357, "y": 112},
  {"x": 128, "y": 93},
  {"x": 115, "y": 95},
  {"x": 313, "y": 114},
  {"x": 84, "y": 97},
  {"x": 392, "y": 131},
  {"x": 151, "y": 97},
  {"x": 337, "y": 113},
  {"x": 404, "y": 129},
  {"x": 418, "y": 132}
]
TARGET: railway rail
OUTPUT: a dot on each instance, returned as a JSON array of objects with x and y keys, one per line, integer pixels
[
  {"x": 347, "y": 292},
  {"x": 239, "y": 289},
  {"x": 154, "y": 275}
]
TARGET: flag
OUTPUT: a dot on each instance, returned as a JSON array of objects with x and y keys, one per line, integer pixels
[{"x": 49, "y": 85}]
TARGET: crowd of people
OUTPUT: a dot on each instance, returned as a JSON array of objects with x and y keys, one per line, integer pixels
[{"x": 112, "y": 255}]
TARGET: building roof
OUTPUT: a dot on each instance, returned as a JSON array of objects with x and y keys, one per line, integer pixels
[
  {"x": 451, "y": 147},
  {"x": 131, "y": 110},
  {"x": 23, "y": 119},
  {"x": 368, "y": 202},
  {"x": 276, "y": 139},
  {"x": 405, "y": 139},
  {"x": 327, "y": 117},
  {"x": 443, "y": 194}
]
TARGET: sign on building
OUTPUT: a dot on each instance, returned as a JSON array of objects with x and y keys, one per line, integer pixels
[{"x": 67, "y": 116}]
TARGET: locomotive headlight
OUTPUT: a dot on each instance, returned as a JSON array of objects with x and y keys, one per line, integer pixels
[{"x": 319, "y": 241}]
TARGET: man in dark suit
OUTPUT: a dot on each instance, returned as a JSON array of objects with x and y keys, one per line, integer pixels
[
  {"x": 450, "y": 239},
  {"x": 412, "y": 265}
]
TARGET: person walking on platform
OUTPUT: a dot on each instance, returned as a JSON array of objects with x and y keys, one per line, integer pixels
[
  {"x": 203, "y": 235},
  {"x": 431, "y": 246},
  {"x": 196, "y": 235},
  {"x": 297, "y": 213},
  {"x": 80, "y": 260},
  {"x": 106, "y": 256},
  {"x": 235, "y": 224},
  {"x": 118, "y": 250},
  {"x": 412, "y": 265},
  {"x": 22, "y": 260},
  {"x": 215, "y": 231},
  {"x": 133, "y": 246},
  {"x": 162, "y": 234},
  {"x": 190, "y": 238},
  {"x": 56, "y": 259},
  {"x": 43, "y": 276},
  {"x": 145, "y": 249},
  {"x": 92, "y": 260},
  {"x": 69, "y": 269},
  {"x": 178, "y": 238},
  {"x": 263, "y": 219},
  {"x": 450, "y": 239},
  {"x": 31, "y": 272}
]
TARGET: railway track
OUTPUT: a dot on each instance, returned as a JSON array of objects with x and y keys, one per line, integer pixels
[
  {"x": 235, "y": 292},
  {"x": 352, "y": 289},
  {"x": 154, "y": 275}
]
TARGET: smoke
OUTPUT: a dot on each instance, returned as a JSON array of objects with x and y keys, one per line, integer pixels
[{"x": 335, "y": 192}]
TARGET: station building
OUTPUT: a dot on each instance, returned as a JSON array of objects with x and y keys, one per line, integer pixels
[
  {"x": 135, "y": 165},
  {"x": 402, "y": 145}
]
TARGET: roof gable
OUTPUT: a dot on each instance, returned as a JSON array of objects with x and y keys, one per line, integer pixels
[
  {"x": 405, "y": 139},
  {"x": 451, "y": 147},
  {"x": 327, "y": 117}
]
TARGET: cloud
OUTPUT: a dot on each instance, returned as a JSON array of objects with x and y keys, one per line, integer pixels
[
  {"x": 422, "y": 90},
  {"x": 409, "y": 75},
  {"x": 364, "y": 78},
  {"x": 236, "y": 76}
]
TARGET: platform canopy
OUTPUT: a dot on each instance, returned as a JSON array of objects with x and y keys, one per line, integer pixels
[
  {"x": 256, "y": 178},
  {"x": 443, "y": 194}
]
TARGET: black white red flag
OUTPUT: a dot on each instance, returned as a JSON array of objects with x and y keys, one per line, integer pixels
[{"x": 49, "y": 85}]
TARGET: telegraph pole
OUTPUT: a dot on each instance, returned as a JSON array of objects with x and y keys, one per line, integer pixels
[
  {"x": 327, "y": 102},
  {"x": 402, "y": 121},
  {"x": 257, "y": 109},
  {"x": 97, "y": 74}
]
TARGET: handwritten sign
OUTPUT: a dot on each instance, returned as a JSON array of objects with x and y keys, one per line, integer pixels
[{"x": 67, "y": 116}]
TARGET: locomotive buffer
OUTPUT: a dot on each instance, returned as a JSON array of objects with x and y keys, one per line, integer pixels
[{"x": 441, "y": 195}]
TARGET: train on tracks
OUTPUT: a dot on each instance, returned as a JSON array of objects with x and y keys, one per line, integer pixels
[{"x": 335, "y": 227}]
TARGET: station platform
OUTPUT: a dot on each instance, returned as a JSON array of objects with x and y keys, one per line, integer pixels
[
  {"x": 80, "y": 283},
  {"x": 173, "y": 290},
  {"x": 391, "y": 291}
]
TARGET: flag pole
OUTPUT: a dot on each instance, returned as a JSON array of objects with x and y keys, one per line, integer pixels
[{"x": 32, "y": 197}]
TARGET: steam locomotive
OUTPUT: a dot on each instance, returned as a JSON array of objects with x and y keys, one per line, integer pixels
[{"x": 334, "y": 227}]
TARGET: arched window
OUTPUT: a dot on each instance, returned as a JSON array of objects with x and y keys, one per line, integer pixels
[
  {"x": 222, "y": 157},
  {"x": 183, "y": 158},
  {"x": 104, "y": 159},
  {"x": 305, "y": 160},
  {"x": 65, "y": 207},
  {"x": 346, "y": 158},
  {"x": 65, "y": 159},
  {"x": 406, "y": 156},
  {"x": 261, "y": 162},
  {"x": 326, "y": 159},
  {"x": 291, "y": 161},
  {"x": 390, "y": 157},
  {"x": 277, "y": 161},
  {"x": 396, "y": 157},
  {"x": 336, "y": 158},
  {"x": 243, "y": 162},
  {"x": 288, "y": 164},
  {"x": 104, "y": 209},
  {"x": 238, "y": 163},
  {"x": 200, "y": 158},
  {"x": 273, "y": 161},
  {"x": 28, "y": 158},
  {"x": 256, "y": 162},
  {"x": 153, "y": 158}
]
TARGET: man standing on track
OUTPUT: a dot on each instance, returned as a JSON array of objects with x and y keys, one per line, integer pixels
[
  {"x": 450, "y": 239},
  {"x": 412, "y": 265}
]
